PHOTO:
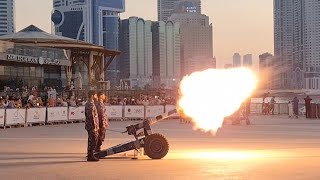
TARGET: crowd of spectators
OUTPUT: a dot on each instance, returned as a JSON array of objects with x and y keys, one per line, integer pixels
[
  {"x": 33, "y": 97},
  {"x": 142, "y": 100}
]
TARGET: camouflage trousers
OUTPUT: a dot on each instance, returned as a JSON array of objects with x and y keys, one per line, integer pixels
[
  {"x": 92, "y": 142},
  {"x": 101, "y": 137}
]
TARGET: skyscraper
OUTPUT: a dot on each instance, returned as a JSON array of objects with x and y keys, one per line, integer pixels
[
  {"x": 93, "y": 21},
  {"x": 283, "y": 43},
  {"x": 196, "y": 42},
  {"x": 236, "y": 60},
  {"x": 7, "y": 20},
  {"x": 136, "y": 48},
  {"x": 166, "y": 54},
  {"x": 297, "y": 44},
  {"x": 265, "y": 71},
  {"x": 168, "y": 7},
  {"x": 247, "y": 60}
]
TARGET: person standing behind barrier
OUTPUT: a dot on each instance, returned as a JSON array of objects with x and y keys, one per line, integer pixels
[
  {"x": 295, "y": 102},
  {"x": 307, "y": 102},
  {"x": 272, "y": 103},
  {"x": 103, "y": 119},
  {"x": 92, "y": 125}
]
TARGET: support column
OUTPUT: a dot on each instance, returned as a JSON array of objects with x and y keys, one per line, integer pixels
[
  {"x": 102, "y": 71},
  {"x": 103, "y": 85},
  {"x": 68, "y": 70},
  {"x": 90, "y": 70}
]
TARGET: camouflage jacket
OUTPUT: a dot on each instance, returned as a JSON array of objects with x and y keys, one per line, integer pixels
[
  {"x": 92, "y": 120},
  {"x": 102, "y": 114}
]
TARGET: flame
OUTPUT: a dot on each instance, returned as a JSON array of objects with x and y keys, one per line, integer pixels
[{"x": 209, "y": 96}]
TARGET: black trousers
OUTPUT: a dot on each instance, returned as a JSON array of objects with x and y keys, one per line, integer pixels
[{"x": 308, "y": 111}]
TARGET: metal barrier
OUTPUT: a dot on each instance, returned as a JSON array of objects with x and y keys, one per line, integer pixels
[
  {"x": 57, "y": 114},
  {"x": 36, "y": 115},
  {"x": 49, "y": 115},
  {"x": 279, "y": 109},
  {"x": 15, "y": 117}
]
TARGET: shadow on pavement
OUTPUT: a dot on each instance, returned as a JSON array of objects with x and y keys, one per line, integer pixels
[
  {"x": 37, "y": 157},
  {"x": 24, "y": 164}
]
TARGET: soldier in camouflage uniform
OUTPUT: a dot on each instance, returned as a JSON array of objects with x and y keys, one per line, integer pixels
[
  {"x": 92, "y": 125},
  {"x": 103, "y": 119}
]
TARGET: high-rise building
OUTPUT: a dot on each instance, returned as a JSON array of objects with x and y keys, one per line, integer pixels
[
  {"x": 7, "y": 17},
  {"x": 297, "y": 44},
  {"x": 166, "y": 54},
  {"x": 283, "y": 43},
  {"x": 168, "y": 7},
  {"x": 196, "y": 42},
  {"x": 93, "y": 21},
  {"x": 236, "y": 60},
  {"x": 247, "y": 60},
  {"x": 136, "y": 48},
  {"x": 311, "y": 45},
  {"x": 265, "y": 70}
]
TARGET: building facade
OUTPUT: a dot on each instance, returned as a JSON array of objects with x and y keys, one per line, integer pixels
[
  {"x": 7, "y": 17},
  {"x": 283, "y": 43},
  {"x": 265, "y": 70},
  {"x": 196, "y": 42},
  {"x": 136, "y": 47},
  {"x": 168, "y": 7},
  {"x": 311, "y": 45},
  {"x": 166, "y": 54},
  {"x": 236, "y": 60},
  {"x": 247, "y": 60},
  {"x": 297, "y": 44},
  {"x": 93, "y": 21}
]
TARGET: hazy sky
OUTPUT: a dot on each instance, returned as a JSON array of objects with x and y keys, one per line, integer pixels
[{"x": 244, "y": 26}]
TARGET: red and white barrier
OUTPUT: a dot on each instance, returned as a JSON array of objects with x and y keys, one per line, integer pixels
[
  {"x": 134, "y": 111},
  {"x": 77, "y": 113},
  {"x": 154, "y": 111},
  {"x": 36, "y": 115},
  {"x": 57, "y": 114},
  {"x": 54, "y": 114},
  {"x": 15, "y": 116},
  {"x": 114, "y": 111}
]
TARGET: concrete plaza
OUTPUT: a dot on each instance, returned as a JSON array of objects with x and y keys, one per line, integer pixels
[{"x": 273, "y": 147}]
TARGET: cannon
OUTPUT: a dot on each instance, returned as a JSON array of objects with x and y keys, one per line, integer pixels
[{"x": 155, "y": 145}]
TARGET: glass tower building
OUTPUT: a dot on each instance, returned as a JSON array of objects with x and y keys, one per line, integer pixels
[
  {"x": 7, "y": 20},
  {"x": 168, "y": 7},
  {"x": 93, "y": 21}
]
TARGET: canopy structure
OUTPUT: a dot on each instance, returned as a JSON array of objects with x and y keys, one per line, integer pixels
[{"x": 92, "y": 55}]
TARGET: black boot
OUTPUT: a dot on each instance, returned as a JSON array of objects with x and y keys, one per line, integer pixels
[
  {"x": 98, "y": 149},
  {"x": 91, "y": 157}
]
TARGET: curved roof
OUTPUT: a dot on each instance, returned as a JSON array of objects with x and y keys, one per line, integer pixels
[{"x": 32, "y": 35}]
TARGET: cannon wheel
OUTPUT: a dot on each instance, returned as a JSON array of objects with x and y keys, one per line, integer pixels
[{"x": 156, "y": 146}]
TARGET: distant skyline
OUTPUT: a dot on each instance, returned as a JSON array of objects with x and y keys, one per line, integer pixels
[{"x": 244, "y": 26}]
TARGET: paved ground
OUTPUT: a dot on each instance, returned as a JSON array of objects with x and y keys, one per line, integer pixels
[{"x": 272, "y": 148}]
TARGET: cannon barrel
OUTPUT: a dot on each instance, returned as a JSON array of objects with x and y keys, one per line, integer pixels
[
  {"x": 162, "y": 116},
  {"x": 132, "y": 129}
]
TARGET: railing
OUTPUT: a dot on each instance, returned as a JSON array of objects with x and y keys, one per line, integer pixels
[
  {"x": 279, "y": 109},
  {"x": 48, "y": 115}
]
